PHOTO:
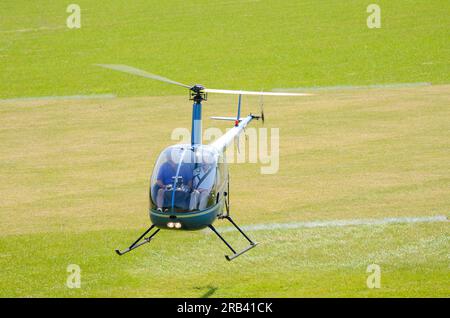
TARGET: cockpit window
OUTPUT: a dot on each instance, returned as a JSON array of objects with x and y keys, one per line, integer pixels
[{"x": 184, "y": 179}]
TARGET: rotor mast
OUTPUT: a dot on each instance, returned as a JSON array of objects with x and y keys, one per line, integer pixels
[{"x": 198, "y": 95}]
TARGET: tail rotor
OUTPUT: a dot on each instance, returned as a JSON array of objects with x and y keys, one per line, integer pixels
[{"x": 261, "y": 107}]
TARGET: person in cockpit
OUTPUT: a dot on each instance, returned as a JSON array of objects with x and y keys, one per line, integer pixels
[
  {"x": 167, "y": 177},
  {"x": 203, "y": 181}
]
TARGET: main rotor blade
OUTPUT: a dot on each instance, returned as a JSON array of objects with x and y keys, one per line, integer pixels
[
  {"x": 225, "y": 91},
  {"x": 138, "y": 72}
]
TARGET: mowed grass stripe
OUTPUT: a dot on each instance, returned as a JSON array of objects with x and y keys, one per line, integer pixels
[
  {"x": 350, "y": 87},
  {"x": 43, "y": 98},
  {"x": 238, "y": 45},
  {"x": 336, "y": 223}
]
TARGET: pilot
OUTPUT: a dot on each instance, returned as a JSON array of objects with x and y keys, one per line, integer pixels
[
  {"x": 166, "y": 174},
  {"x": 203, "y": 181}
]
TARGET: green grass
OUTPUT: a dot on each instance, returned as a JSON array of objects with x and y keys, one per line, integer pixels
[
  {"x": 311, "y": 262},
  {"x": 74, "y": 173},
  {"x": 229, "y": 44},
  {"x": 74, "y": 180}
]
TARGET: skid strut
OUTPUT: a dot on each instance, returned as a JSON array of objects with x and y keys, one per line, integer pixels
[
  {"x": 138, "y": 242},
  {"x": 235, "y": 254}
]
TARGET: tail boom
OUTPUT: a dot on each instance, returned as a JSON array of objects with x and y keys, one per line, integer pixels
[{"x": 223, "y": 142}]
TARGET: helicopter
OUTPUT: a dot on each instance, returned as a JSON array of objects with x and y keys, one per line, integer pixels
[{"x": 190, "y": 185}]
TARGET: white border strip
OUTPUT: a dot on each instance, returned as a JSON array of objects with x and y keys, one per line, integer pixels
[{"x": 337, "y": 223}]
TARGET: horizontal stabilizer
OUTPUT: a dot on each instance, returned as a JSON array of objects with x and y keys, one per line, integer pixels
[{"x": 225, "y": 118}]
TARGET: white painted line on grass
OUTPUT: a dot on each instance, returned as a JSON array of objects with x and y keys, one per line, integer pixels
[
  {"x": 337, "y": 223},
  {"x": 93, "y": 96},
  {"x": 43, "y": 28},
  {"x": 350, "y": 87}
]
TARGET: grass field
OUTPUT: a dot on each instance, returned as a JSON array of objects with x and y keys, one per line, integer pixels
[
  {"x": 233, "y": 44},
  {"x": 72, "y": 195},
  {"x": 74, "y": 173}
]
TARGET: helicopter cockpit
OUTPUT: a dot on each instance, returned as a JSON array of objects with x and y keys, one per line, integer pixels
[{"x": 187, "y": 179}]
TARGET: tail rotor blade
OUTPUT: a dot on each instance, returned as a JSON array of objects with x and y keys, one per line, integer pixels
[
  {"x": 261, "y": 106},
  {"x": 138, "y": 72}
]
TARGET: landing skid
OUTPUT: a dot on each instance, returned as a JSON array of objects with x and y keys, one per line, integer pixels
[
  {"x": 138, "y": 242},
  {"x": 235, "y": 254}
]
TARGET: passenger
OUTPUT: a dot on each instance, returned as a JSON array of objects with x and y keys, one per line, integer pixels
[
  {"x": 167, "y": 174},
  {"x": 203, "y": 181}
]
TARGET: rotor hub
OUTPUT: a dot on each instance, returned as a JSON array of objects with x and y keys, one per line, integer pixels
[
  {"x": 197, "y": 88},
  {"x": 197, "y": 93}
]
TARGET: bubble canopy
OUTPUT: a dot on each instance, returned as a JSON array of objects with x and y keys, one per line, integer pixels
[{"x": 187, "y": 178}]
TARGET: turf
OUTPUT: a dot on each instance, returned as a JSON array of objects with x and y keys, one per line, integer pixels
[
  {"x": 74, "y": 180},
  {"x": 313, "y": 262},
  {"x": 74, "y": 173},
  {"x": 230, "y": 44}
]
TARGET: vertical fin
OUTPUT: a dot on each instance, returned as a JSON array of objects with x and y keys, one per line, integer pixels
[
  {"x": 261, "y": 106},
  {"x": 238, "y": 117}
]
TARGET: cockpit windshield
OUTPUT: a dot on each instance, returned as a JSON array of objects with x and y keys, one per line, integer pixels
[{"x": 185, "y": 179}]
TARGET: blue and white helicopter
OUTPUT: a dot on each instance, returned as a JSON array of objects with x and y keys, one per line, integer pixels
[{"x": 189, "y": 186}]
